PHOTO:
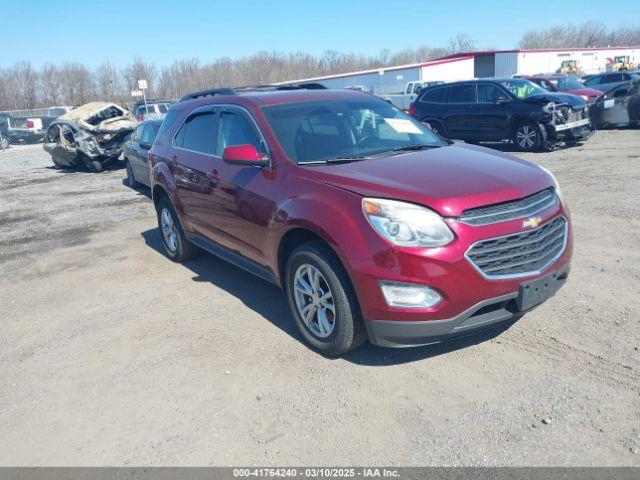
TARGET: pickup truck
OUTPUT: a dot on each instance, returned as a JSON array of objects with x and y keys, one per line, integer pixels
[
  {"x": 26, "y": 129},
  {"x": 403, "y": 100}
]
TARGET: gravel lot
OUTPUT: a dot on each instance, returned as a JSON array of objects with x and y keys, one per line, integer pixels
[{"x": 110, "y": 354}]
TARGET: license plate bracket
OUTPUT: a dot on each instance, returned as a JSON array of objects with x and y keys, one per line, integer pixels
[{"x": 534, "y": 292}]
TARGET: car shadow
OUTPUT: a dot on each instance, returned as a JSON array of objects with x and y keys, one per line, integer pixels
[
  {"x": 268, "y": 301},
  {"x": 141, "y": 189},
  {"x": 109, "y": 167}
]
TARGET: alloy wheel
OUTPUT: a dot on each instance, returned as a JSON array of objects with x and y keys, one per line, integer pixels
[
  {"x": 169, "y": 231},
  {"x": 526, "y": 136},
  {"x": 314, "y": 300}
]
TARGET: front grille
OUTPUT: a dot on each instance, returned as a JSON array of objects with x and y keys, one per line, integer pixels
[
  {"x": 503, "y": 212},
  {"x": 525, "y": 253}
]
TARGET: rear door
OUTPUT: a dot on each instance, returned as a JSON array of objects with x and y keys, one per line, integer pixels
[
  {"x": 192, "y": 166},
  {"x": 460, "y": 111},
  {"x": 144, "y": 142}
]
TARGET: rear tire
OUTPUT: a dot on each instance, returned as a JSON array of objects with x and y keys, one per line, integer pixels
[
  {"x": 527, "y": 136},
  {"x": 333, "y": 326},
  {"x": 131, "y": 179},
  {"x": 176, "y": 245}
]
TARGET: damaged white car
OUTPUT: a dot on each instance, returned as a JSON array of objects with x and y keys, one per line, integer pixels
[{"x": 91, "y": 135}]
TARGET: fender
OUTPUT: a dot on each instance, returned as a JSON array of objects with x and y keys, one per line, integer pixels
[{"x": 339, "y": 222}]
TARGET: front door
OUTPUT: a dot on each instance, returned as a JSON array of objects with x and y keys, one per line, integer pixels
[
  {"x": 239, "y": 206},
  {"x": 492, "y": 112},
  {"x": 460, "y": 110}
]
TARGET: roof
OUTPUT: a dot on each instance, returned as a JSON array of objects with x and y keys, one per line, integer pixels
[
  {"x": 273, "y": 97},
  {"x": 538, "y": 50},
  {"x": 437, "y": 61}
]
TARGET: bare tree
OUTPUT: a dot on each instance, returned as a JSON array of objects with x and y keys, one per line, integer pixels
[{"x": 588, "y": 34}]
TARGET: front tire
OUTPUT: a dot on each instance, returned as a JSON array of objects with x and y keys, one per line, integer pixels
[
  {"x": 4, "y": 142},
  {"x": 527, "y": 136},
  {"x": 176, "y": 245},
  {"x": 322, "y": 300},
  {"x": 93, "y": 166}
]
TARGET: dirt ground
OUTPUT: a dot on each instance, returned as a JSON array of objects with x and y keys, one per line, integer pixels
[{"x": 110, "y": 354}]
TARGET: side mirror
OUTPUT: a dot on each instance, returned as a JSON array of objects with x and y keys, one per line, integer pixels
[
  {"x": 145, "y": 146},
  {"x": 501, "y": 100},
  {"x": 246, "y": 155}
]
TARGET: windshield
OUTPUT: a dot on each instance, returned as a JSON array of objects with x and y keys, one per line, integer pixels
[
  {"x": 333, "y": 129},
  {"x": 566, "y": 83},
  {"x": 522, "y": 88}
]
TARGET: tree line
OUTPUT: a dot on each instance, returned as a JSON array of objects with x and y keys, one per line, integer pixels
[{"x": 24, "y": 86}]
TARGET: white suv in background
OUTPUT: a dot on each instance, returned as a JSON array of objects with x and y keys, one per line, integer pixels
[{"x": 152, "y": 111}]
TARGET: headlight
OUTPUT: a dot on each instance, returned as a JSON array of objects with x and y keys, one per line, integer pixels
[
  {"x": 406, "y": 224},
  {"x": 549, "y": 107},
  {"x": 585, "y": 98},
  {"x": 555, "y": 182}
]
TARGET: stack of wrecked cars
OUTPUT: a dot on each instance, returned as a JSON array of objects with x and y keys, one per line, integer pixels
[{"x": 91, "y": 135}]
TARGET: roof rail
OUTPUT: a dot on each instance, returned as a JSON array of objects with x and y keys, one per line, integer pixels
[
  {"x": 302, "y": 86},
  {"x": 292, "y": 86},
  {"x": 206, "y": 93}
]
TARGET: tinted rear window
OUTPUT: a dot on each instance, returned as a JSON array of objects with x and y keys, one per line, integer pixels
[
  {"x": 435, "y": 95},
  {"x": 462, "y": 94}
]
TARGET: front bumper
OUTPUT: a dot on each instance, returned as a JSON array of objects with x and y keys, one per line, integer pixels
[
  {"x": 470, "y": 301},
  {"x": 482, "y": 316},
  {"x": 570, "y": 132}
]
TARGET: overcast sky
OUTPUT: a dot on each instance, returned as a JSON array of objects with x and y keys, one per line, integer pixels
[{"x": 92, "y": 32}]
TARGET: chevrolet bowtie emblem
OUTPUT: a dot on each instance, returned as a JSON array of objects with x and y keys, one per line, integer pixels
[{"x": 532, "y": 222}]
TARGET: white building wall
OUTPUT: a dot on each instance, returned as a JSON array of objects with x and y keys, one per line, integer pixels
[
  {"x": 450, "y": 71},
  {"x": 590, "y": 61}
]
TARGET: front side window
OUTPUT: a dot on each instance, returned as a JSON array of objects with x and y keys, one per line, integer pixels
[
  {"x": 196, "y": 133},
  {"x": 462, "y": 93},
  {"x": 612, "y": 77},
  {"x": 235, "y": 129},
  {"x": 148, "y": 134},
  {"x": 314, "y": 132},
  {"x": 592, "y": 81},
  {"x": 488, "y": 93},
  {"x": 522, "y": 88}
]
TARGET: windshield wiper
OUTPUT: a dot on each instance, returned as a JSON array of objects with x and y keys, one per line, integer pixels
[
  {"x": 414, "y": 146},
  {"x": 341, "y": 159}
]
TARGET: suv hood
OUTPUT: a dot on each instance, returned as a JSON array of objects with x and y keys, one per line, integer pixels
[
  {"x": 586, "y": 91},
  {"x": 557, "y": 98},
  {"x": 448, "y": 179}
]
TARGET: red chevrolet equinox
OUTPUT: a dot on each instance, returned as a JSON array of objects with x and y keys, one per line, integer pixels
[{"x": 374, "y": 227}]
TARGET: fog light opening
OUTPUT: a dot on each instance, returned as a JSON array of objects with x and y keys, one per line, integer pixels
[{"x": 409, "y": 295}]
